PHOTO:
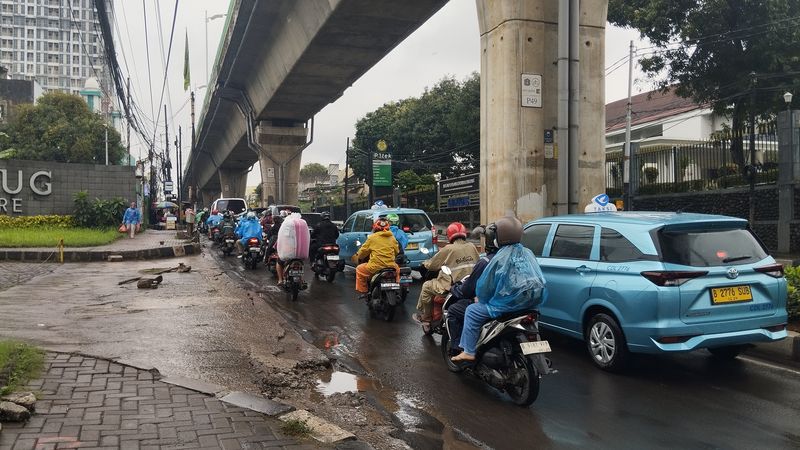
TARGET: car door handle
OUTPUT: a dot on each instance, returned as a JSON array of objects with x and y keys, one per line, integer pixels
[{"x": 583, "y": 269}]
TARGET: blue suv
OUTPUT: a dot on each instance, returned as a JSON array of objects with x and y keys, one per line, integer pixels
[
  {"x": 417, "y": 224},
  {"x": 653, "y": 282}
]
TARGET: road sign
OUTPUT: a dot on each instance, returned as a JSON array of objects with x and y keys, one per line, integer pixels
[
  {"x": 382, "y": 172},
  {"x": 549, "y": 139},
  {"x": 459, "y": 193},
  {"x": 531, "y": 90},
  {"x": 168, "y": 187}
]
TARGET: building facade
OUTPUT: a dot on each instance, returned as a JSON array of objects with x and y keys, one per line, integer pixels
[{"x": 56, "y": 43}]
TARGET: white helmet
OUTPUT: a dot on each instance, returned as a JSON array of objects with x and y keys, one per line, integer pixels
[
  {"x": 284, "y": 213},
  {"x": 251, "y": 215}
]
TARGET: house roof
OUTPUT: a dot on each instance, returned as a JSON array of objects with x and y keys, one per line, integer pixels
[{"x": 647, "y": 107}]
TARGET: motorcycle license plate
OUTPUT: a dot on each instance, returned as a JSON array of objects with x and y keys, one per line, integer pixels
[
  {"x": 295, "y": 272},
  {"x": 255, "y": 249},
  {"x": 390, "y": 286},
  {"x": 531, "y": 348},
  {"x": 332, "y": 257},
  {"x": 229, "y": 241},
  {"x": 406, "y": 279}
]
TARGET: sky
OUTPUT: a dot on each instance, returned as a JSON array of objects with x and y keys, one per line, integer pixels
[{"x": 446, "y": 45}]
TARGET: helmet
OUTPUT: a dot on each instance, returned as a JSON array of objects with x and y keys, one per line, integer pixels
[
  {"x": 509, "y": 230},
  {"x": 251, "y": 215},
  {"x": 489, "y": 233},
  {"x": 325, "y": 216},
  {"x": 456, "y": 230},
  {"x": 284, "y": 213},
  {"x": 215, "y": 212},
  {"x": 380, "y": 225},
  {"x": 393, "y": 218},
  {"x": 205, "y": 209}
]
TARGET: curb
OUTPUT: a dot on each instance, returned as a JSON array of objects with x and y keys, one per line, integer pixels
[
  {"x": 322, "y": 430},
  {"x": 786, "y": 350},
  {"x": 22, "y": 255}
]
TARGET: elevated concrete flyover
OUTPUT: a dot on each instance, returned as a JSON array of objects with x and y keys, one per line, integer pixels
[{"x": 280, "y": 62}]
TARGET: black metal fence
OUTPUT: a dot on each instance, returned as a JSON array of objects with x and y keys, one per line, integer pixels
[{"x": 718, "y": 163}]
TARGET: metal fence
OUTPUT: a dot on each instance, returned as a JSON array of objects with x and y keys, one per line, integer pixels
[{"x": 714, "y": 164}]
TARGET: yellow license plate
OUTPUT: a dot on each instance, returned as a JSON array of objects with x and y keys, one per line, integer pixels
[
  {"x": 412, "y": 246},
  {"x": 731, "y": 294}
]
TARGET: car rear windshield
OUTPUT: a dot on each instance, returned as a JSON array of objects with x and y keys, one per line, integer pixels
[
  {"x": 234, "y": 205},
  {"x": 707, "y": 248},
  {"x": 414, "y": 222}
]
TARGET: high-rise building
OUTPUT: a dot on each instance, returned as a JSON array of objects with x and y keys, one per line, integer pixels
[{"x": 56, "y": 43}]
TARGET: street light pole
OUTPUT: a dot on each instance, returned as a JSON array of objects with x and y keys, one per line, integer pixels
[{"x": 106, "y": 127}]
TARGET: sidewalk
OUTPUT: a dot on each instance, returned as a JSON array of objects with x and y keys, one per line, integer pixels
[
  {"x": 151, "y": 244},
  {"x": 89, "y": 402}
]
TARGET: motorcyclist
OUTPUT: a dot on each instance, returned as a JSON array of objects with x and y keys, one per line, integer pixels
[
  {"x": 495, "y": 288},
  {"x": 272, "y": 234},
  {"x": 400, "y": 235},
  {"x": 459, "y": 256},
  {"x": 213, "y": 221},
  {"x": 380, "y": 249},
  {"x": 200, "y": 219},
  {"x": 464, "y": 292},
  {"x": 325, "y": 233},
  {"x": 266, "y": 220},
  {"x": 248, "y": 228}
]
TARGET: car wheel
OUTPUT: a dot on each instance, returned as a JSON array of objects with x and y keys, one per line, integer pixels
[
  {"x": 726, "y": 353},
  {"x": 606, "y": 343}
]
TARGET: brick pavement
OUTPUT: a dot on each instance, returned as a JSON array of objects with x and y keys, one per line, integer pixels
[
  {"x": 92, "y": 403},
  {"x": 12, "y": 274}
]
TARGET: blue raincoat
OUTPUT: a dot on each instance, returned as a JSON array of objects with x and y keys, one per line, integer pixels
[
  {"x": 400, "y": 235},
  {"x": 249, "y": 228},
  {"x": 513, "y": 281}
]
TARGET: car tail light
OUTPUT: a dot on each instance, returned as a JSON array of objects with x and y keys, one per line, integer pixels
[
  {"x": 672, "y": 278},
  {"x": 776, "y": 328},
  {"x": 529, "y": 319},
  {"x": 435, "y": 238},
  {"x": 674, "y": 339},
  {"x": 773, "y": 270}
]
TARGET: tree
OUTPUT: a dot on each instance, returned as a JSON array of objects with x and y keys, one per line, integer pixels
[
  {"x": 709, "y": 49},
  {"x": 407, "y": 180},
  {"x": 438, "y": 132},
  {"x": 313, "y": 173},
  {"x": 60, "y": 127}
]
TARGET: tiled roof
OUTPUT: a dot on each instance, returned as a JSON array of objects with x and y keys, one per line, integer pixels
[{"x": 647, "y": 107}]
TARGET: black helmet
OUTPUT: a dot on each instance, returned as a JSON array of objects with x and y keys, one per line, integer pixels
[
  {"x": 489, "y": 232},
  {"x": 325, "y": 216},
  {"x": 509, "y": 230}
]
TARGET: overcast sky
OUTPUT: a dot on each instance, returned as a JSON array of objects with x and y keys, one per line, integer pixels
[{"x": 448, "y": 44}]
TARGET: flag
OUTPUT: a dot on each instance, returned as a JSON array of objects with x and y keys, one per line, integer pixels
[{"x": 186, "y": 76}]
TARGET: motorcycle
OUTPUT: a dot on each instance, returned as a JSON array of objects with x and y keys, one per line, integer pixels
[
  {"x": 406, "y": 278},
  {"x": 216, "y": 235},
  {"x": 509, "y": 355},
  {"x": 228, "y": 238},
  {"x": 252, "y": 253},
  {"x": 293, "y": 281},
  {"x": 271, "y": 257},
  {"x": 327, "y": 262}
]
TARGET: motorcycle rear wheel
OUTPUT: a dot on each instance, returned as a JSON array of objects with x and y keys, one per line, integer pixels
[
  {"x": 330, "y": 276},
  {"x": 525, "y": 392},
  {"x": 451, "y": 366}
]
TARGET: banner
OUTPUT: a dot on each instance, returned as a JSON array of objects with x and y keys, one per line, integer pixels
[
  {"x": 186, "y": 75},
  {"x": 382, "y": 172}
]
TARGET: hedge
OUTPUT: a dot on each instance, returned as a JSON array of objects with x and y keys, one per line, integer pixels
[
  {"x": 793, "y": 299},
  {"x": 36, "y": 222}
]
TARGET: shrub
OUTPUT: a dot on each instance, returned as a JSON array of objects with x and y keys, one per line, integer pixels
[
  {"x": 650, "y": 174},
  {"x": 98, "y": 213},
  {"x": 793, "y": 299},
  {"x": 36, "y": 222}
]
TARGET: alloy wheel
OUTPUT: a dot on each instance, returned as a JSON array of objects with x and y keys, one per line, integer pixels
[{"x": 602, "y": 342}]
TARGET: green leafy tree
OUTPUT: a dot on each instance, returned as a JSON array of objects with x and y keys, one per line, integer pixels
[
  {"x": 707, "y": 50},
  {"x": 60, "y": 127},
  {"x": 313, "y": 172},
  {"x": 407, "y": 180}
]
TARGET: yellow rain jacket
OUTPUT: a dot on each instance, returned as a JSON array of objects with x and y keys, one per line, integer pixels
[{"x": 381, "y": 248}]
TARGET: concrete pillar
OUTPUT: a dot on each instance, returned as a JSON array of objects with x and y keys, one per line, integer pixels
[
  {"x": 233, "y": 182},
  {"x": 520, "y": 37},
  {"x": 280, "y": 161}
]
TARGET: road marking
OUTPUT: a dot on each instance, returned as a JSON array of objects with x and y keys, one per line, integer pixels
[{"x": 771, "y": 366}]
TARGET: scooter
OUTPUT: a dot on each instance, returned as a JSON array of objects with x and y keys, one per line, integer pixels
[
  {"x": 384, "y": 293},
  {"x": 327, "y": 262},
  {"x": 293, "y": 281},
  {"x": 509, "y": 355},
  {"x": 216, "y": 235},
  {"x": 252, "y": 254}
]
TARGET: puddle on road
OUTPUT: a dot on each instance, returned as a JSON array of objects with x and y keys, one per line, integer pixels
[{"x": 342, "y": 382}]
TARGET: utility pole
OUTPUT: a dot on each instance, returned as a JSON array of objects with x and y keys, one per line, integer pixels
[
  {"x": 128, "y": 112},
  {"x": 167, "y": 163},
  {"x": 751, "y": 170},
  {"x": 106, "y": 128},
  {"x": 180, "y": 166},
  {"x": 370, "y": 177},
  {"x": 346, "y": 173},
  {"x": 626, "y": 161}
]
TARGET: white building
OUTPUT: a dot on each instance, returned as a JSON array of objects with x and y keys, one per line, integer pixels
[{"x": 55, "y": 45}]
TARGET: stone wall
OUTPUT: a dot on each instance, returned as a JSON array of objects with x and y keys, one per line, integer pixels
[
  {"x": 100, "y": 181},
  {"x": 731, "y": 202}
]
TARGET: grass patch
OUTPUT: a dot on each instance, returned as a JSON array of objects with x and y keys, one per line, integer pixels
[
  {"x": 19, "y": 364},
  {"x": 296, "y": 428},
  {"x": 49, "y": 237}
]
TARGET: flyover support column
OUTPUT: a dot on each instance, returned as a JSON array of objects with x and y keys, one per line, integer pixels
[
  {"x": 280, "y": 161},
  {"x": 519, "y": 172},
  {"x": 233, "y": 182}
]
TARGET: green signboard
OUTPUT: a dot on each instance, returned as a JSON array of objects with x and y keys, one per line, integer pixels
[{"x": 382, "y": 173}]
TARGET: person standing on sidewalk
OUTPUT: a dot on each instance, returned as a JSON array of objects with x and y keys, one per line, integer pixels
[
  {"x": 132, "y": 219},
  {"x": 189, "y": 218}
]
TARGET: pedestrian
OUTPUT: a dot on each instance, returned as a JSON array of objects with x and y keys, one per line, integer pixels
[
  {"x": 189, "y": 218},
  {"x": 132, "y": 219}
]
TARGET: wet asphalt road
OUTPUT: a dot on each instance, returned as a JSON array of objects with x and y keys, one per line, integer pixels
[{"x": 683, "y": 401}]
